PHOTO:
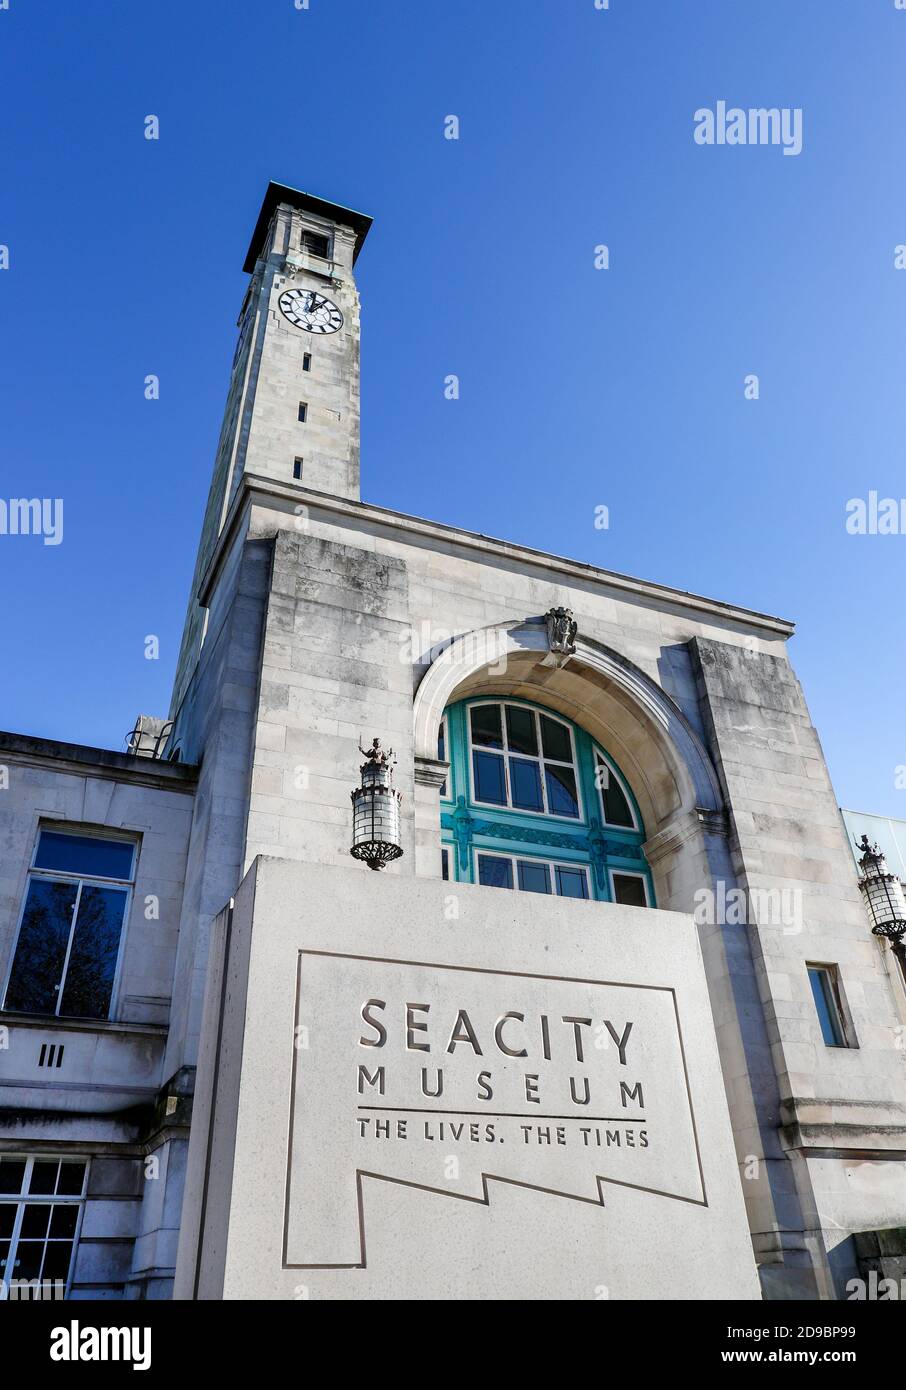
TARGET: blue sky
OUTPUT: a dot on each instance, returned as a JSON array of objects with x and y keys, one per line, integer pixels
[{"x": 580, "y": 387}]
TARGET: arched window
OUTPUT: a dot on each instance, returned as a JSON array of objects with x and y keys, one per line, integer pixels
[{"x": 532, "y": 803}]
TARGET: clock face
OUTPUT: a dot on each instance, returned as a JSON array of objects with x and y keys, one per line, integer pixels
[{"x": 309, "y": 310}]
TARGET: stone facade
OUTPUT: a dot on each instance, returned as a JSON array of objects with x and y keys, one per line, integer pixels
[
  {"x": 107, "y": 1095},
  {"x": 317, "y": 621}
]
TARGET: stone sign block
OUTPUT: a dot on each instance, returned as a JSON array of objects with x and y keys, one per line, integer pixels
[{"x": 411, "y": 1088}]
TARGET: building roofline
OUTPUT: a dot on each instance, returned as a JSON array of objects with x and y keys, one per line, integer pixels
[
  {"x": 873, "y": 815},
  {"x": 102, "y": 762},
  {"x": 277, "y": 193},
  {"x": 255, "y": 485}
]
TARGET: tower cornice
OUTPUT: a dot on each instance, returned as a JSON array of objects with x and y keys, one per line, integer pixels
[{"x": 278, "y": 193}]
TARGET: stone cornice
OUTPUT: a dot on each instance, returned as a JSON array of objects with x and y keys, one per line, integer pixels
[
  {"x": 431, "y": 772},
  {"x": 258, "y": 490},
  {"x": 807, "y": 1122},
  {"x": 82, "y": 760},
  {"x": 683, "y": 827},
  {"x": 45, "y": 1023}
]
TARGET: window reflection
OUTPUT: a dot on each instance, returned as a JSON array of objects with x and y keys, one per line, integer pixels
[
  {"x": 534, "y": 769},
  {"x": 69, "y": 938}
]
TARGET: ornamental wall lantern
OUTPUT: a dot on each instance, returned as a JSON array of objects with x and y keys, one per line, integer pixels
[
  {"x": 884, "y": 899},
  {"x": 376, "y": 810}
]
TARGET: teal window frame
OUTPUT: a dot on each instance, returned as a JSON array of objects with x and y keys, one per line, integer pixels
[{"x": 469, "y": 827}]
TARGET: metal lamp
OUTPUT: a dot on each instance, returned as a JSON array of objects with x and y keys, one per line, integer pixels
[
  {"x": 884, "y": 899},
  {"x": 376, "y": 810}
]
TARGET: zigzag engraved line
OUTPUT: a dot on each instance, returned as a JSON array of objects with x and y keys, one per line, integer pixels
[{"x": 483, "y": 1201}]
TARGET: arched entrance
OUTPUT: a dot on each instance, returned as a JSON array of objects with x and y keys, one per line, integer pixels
[{"x": 621, "y": 709}]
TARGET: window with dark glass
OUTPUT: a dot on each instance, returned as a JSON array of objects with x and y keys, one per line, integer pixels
[
  {"x": 629, "y": 889},
  {"x": 40, "y": 1209},
  {"x": 297, "y": 469},
  {"x": 442, "y": 751},
  {"x": 571, "y": 882},
  {"x": 523, "y": 759},
  {"x": 532, "y": 875},
  {"x": 614, "y": 803},
  {"x": 316, "y": 244},
  {"x": 72, "y": 922},
  {"x": 495, "y": 872}
]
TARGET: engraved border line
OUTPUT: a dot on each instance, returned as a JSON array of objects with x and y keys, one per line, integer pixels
[{"x": 486, "y": 1178}]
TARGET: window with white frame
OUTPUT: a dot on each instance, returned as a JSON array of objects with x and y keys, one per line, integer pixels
[
  {"x": 628, "y": 888},
  {"x": 69, "y": 940},
  {"x": 532, "y": 802},
  {"x": 532, "y": 875},
  {"x": 523, "y": 759},
  {"x": 616, "y": 808},
  {"x": 41, "y": 1204},
  {"x": 828, "y": 996}
]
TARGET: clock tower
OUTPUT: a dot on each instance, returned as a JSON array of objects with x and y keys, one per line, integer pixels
[
  {"x": 292, "y": 411},
  {"x": 294, "y": 395}
]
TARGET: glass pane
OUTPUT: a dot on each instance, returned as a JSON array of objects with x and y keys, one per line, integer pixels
[
  {"x": 35, "y": 1220},
  {"x": 555, "y": 740},
  {"x": 525, "y": 785},
  {"x": 442, "y": 754},
  {"x": 41, "y": 949},
  {"x": 12, "y": 1172},
  {"x": 92, "y": 960},
  {"x": 82, "y": 854},
  {"x": 7, "y": 1219},
  {"x": 72, "y": 1175},
  {"x": 520, "y": 730},
  {"x": 562, "y": 798},
  {"x": 616, "y": 807},
  {"x": 486, "y": 731},
  {"x": 56, "y": 1261},
  {"x": 63, "y": 1221},
  {"x": 827, "y": 1011},
  {"x": 43, "y": 1176},
  {"x": 444, "y": 864},
  {"x": 534, "y": 878},
  {"x": 490, "y": 779},
  {"x": 4, "y": 1256},
  {"x": 629, "y": 889},
  {"x": 571, "y": 883},
  {"x": 28, "y": 1259},
  {"x": 494, "y": 872}
]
